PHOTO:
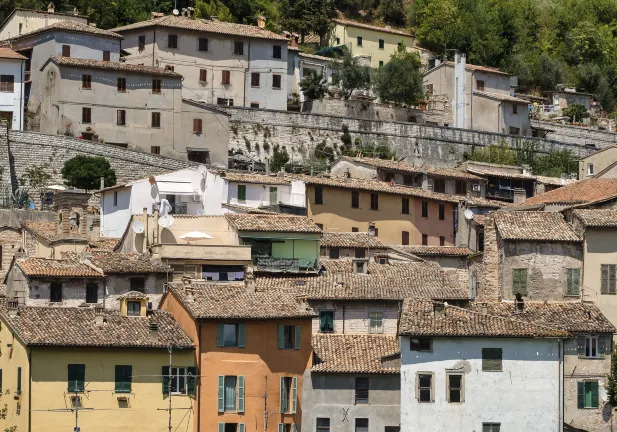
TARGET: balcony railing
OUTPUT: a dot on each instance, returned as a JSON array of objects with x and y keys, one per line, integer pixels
[
  {"x": 179, "y": 209},
  {"x": 282, "y": 197},
  {"x": 285, "y": 265}
]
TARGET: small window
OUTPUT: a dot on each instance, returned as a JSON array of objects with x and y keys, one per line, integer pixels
[
  {"x": 442, "y": 212},
  {"x": 376, "y": 232},
  {"x": 106, "y": 56},
  {"x": 115, "y": 198},
  {"x": 156, "y": 86},
  {"x": 142, "y": 43},
  {"x": 362, "y": 390},
  {"x": 86, "y": 81},
  {"x": 276, "y": 81},
  {"x": 121, "y": 118},
  {"x": 230, "y": 335},
  {"x": 254, "y": 104},
  {"x": 374, "y": 201},
  {"x": 460, "y": 187},
  {"x": 380, "y": 63},
  {"x": 424, "y": 239},
  {"x": 514, "y": 131},
  {"x": 381, "y": 44},
  {"x": 439, "y": 185},
  {"x": 21, "y": 27},
  {"x": 155, "y": 150},
  {"x": 588, "y": 394},
  {"x": 66, "y": 50},
  {"x": 608, "y": 278},
  {"x": 203, "y": 44},
  {"x": 178, "y": 380},
  {"x": 138, "y": 284},
  {"x": 76, "y": 377},
  {"x": 590, "y": 169},
  {"x": 289, "y": 337},
  {"x": 405, "y": 205},
  {"x": 514, "y": 108},
  {"x": 491, "y": 359},
  {"x": 375, "y": 322},
  {"x": 333, "y": 253},
  {"x": 55, "y": 292},
  {"x": 255, "y": 79},
  {"x": 197, "y": 126},
  {"x": 123, "y": 378},
  {"x": 318, "y": 195},
  {"x": 361, "y": 425},
  {"x": 573, "y": 281},
  {"x": 455, "y": 387},
  {"x": 276, "y": 51},
  {"x": 320, "y": 226},
  {"x": 241, "y": 193},
  {"x": 133, "y": 308},
  {"x": 420, "y": 344},
  {"x": 480, "y": 241},
  {"x": 592, "y": 349},
  {"x": 86, "y": 115},
  {"x": 442, "y": 241},
  {"x": 479, "y": 85},
  {"x": 359, "y": 41},
  {"x": 355, "y": 199},
  {"x": 519, "y": 281},
  {"x": 238, "y": 48},
  {"x": 323, "y": 424},
  {"x": 491, "y": 427},
  {"x": 405, "y": 238},
  {"x": 425, "y": 209},
  {"x": 156, "y": 119},
  {"x": 19, "y": 382},
  {"x": 225, "y": 78},
  {"x": 92, "y": 289},
  {"x": 338, "y": 40},
  {"x": 425, "y": 387},
  {"x": 360, "y": 253},
  {"x": 172, "y": 41},
  {"x": 430, "y": 89},
  {"x": 326, "y": 321},
  {"x": 355, "y": 229}
]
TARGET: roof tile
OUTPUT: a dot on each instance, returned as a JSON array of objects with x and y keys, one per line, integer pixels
[
  {"x": 584, "y": 191},
  {"x": 403, "y": 166},
  {"x": 35, "y": 267},
  {"x": 600, "y": 218},
  {"x": 435, "y": 250},
  {"x": 117, "y": 262},
  {"x": 273, "y": 223},
  {"x": 351, "y": 240},
  {"x": 354, "y": 353},
  {"x": 114, "y": 66},
  {"x": 534, "y": 226},
  {"x": 254, "y": 178},
  {"x": 71, "y": 26}
]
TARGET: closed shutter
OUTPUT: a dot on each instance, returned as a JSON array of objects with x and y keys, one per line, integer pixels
[
  {"x": 281, "y": 427},
  {"x": 123, "y": 379},
  {"x": 241, "y": 427},
  {"x": 294, "y": 394},
  {"x": 611, "y": 278},
  {"x": 294, "y": 427},
  {"x": 219, "y": 335},
  {"x": 573, "y": 281},
  {"x": 165, "y": 379},
  {"x": 221, "y": 427},
  {"x": 283, "y": 396},
  {"x": 76, "y": 376},
  {"x": 241, "y": 335},
  {"x": 0, "y": 381},
  {"x": 221, "y": 395},
  {"x": 580, "y": 395},
  {"x": 601, "y": 346},
  {"x": 519, "y": 281},
  {"x": 297, "y": 337},
  {"x": 580, "y": 342},
  {"x": 281, "y": 337},
  {"x": 191, "y": 381},
  {"x": 594, "y": 393},
  {"x": 491, "y": 359},
  {"x": 240, "y": 394},
  {"x": 604, "y": 284}
]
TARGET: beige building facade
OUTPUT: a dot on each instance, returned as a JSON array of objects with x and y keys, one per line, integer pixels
[
  {"x": 21, "y": 21},
  {"x": 600, "y": 164}
]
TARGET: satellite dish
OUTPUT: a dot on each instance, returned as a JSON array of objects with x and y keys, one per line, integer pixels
[
  {"x": 200, "y": 212},
  {"x": 137, "y": 227},
  {"x": 176, "y": 12},
  {"x": 468, "y": 214},
  {"x": 166, "y": 221},
  {"x": 202, "y": 169}
]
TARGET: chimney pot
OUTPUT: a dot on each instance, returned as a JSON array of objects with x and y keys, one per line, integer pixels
[
  {"x": 484, "y": 308},
  {"x": 13, "y": 306},
  {"x": 261, "y": 21},
  {"x": 99, "y": 315},
  {"x": 153, "y": 332},
  {"x": 339, "y": 278},
  {"x": 51, "y": 8},
  {"x": 249, "y": 282}
]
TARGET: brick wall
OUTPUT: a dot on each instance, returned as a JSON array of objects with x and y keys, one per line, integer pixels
[{"x": 352, "y": 317}]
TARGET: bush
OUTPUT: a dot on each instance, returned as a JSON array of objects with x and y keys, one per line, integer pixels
[
  {"x": 85, "y": 172},
  {"x": 576, "y": 112}
]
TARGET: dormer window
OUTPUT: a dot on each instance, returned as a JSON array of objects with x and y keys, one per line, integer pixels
[{"x": 133, "y": 308}]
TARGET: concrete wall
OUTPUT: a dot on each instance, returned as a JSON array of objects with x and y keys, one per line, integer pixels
[
  {"x": 352, "y": 317},
  {"x": 33, "y": 20},
  {"x": 599, "y": 161},
  {"x": 13, "y": 102},
  {"x": 524, "y": 396},
  {"x": 577, "y": 134},
  {"x": 16, "y": 356}
]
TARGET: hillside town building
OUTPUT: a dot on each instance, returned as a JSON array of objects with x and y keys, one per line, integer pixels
[{"x": 13, "y": 67}]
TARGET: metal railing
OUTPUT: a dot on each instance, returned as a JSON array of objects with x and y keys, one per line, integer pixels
[
  {"x": 284, "y": 265},
  {"x": 282, "y": 197},
  {"x": 179, "y": 209}
]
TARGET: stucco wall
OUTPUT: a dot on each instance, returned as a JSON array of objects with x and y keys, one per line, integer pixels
[
  {"x": 33, "y": 20},
  {"x": 10, "y": 242},
  {"x": 13, "y": 101},
  {"x": 13, "y": 357},
  {"x": 352, "y": 317},
  {"x": 600, "y": 247}
]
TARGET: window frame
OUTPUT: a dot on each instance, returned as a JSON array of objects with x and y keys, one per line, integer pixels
[
  {"x": 7, "y": 85},
  {"x": 357, "y": 427},
  {"x": 405, "y": 205},
  {"x": 359, "y": 41},
  {"x": 106, "y": 56},
  {"x": 138, "y": 283},
  {"x": 172, "y": 41},
  {"x": 486, "y": 358},
  {"x": 115, "y": 198},
  {"x": 425, "y": 209},
  {"x": 56, "y": 286},
  {"x": 121, "y": 372},
  {"x": 274, "y": 52},
  {"x": 334, "y": 253},
  {"x": 121, "y": 85},
  {"x": 424, "y": 239},
  {"x": 66, "y": 51},
  {"x": 120, "y": 117},
  {"x": 241, "y": 193},
  {"x": 382, "y": 44},
  {"x": 203, "y": 75},
  {"x": 157, "y": 86},
  {"x": 130, "y": 312},
  {"x": 460, "y": 389},
  {"x": 421, "y": 344},
  {"x": 225, "y": 77},
  {"x": 480, "y": 85},
  {"x": 439, "y": 185},
  {"x": 374, "y": 329},
  {"x": 89, "y": 287},
  {"x": 420, "y": 388},
  {"x": 155, "y": 124},
  {"x": 405, "y": 238},
  {"x": 374, "y": 201},
  {"x": 442, "y": 211},
  {"x": 141, "y": 43},
  {"x": 515, "y": 109},
  {"x": 362, "y": 389},
  {"x": 588, "y": 388},
  {"x": 326, "y": 312},
  {"x": 238, "y": 48},
  {"x": 573, "y": 282},
  {"x": 86, "y": 82},
  {"x": 78, "y": 370},
  {"x": 590, "y": 169},
  {"x": 255, "y": 79},
  {"x": 156, "y": 150},
  {"x": 608, "y": 279},
  {"x": 86, "y": 115},
  {"x": 198, "y": 126},
  {"x": 491, "y": 427},
  {"x": 178, "y": 376},
  {"x": 322, "y": 427},
  {"x": 203, "y": 42},
  {"x": 442, "y": 241},
  {"x": 318, "y": 195},
  {"x": 590, "y": 341},
  {"x": 520, "y": 277},
  {"x": 355, "y": 199},
  {"x": 276, "y": 77}
]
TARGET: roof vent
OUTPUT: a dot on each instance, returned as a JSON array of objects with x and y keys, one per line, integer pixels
[
  {"x": 301, "y": 282},
  {"x": 153, "y": 332},
  {"x": 519, "y": 304},
  {"x": 99, "y": 315},
  {"x": 339, "y": 278},
  {"x": 360, "y": 265},
  {"x": 12, "y": 306}
]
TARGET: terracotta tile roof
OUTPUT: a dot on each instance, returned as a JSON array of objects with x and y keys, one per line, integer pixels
[
  {"x": 351, "y": 240},
  {"x": 114, "y": 66},
  {"x": 554, "y": 181},
  {"x": 204, "y": 25},
  {"x": 247, "y": 209},
  {"x": 134, "y": 295},
  {"x": 573, "y": 317},
  {"x": 471, "y": 67},
  {"x": 117, "y": 262},
  {"x": 382, "y": 186},
  {"x": 597, "y": 218},
  {"x": 254, "y": 178},
  {"x": 346, "y": 22},
  {"x": 502, "y": 97},
  {"x": 534, "y": 226},
  {"x": 76, "y": 327},
  {"x": 434, "y": 250},
  {"x": 403, "y": 166},
  {"x": 353, "y": 353},
  {"x": 312, "y": 38},
  {"x": 272, "y": 223},
  {"x": 71, "y": 26},
  {"x": 484, "y": 172},
  {"x": 49, "y": 232},
  {"x": 57, "y": 268},
  {"x": 479, "y": 219},
  {"x": 105, "y": 243},
  {"x": 233, "y": 300},
  {"x": 418, "y": 318},
  {"x": 383, "y": 282},
  {"x": 583, "y": 191},
  {"x": 318, "y": 57},
  {"x": 8, "y": 53}
]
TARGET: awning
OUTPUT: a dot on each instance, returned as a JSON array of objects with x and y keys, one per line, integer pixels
[{"x": 175, "y": 188}]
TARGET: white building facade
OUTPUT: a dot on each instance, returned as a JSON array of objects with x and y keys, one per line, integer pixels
[{"x": 12, "y": 68}]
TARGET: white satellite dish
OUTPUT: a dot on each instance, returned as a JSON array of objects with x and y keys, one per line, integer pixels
[
  {"x": 166, "y": 221},
  {"x": 176, "y": 12},
  {"x": 202, "y": 169},
  {"x": 137, "y": 227},
  {"x": 468, "y": 214}
]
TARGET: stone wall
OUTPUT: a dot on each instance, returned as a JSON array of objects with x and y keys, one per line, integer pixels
[
  {"x": 353, "y": 317},
  {"x": 577, "y": 135},
  {"x": 488, "y": 282}
]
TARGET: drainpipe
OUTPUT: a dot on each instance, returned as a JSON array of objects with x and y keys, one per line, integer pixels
[
  {"x": 199, "y": 371},
  {"x": 22, "y": 88},
  {"x": 153, "y": 45},
  {"x": 30, "y": 390},
  {"x": 246, "y": 71},
  {"x": 499, "y": 117},
  {"x": 560, "y": 381},
  {"x": 473, "y": 74}
]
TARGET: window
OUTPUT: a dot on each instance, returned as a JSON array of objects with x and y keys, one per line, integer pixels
[
  {"x": 86, "y": 115},
  {"x": 66, "y": 50},
  {"x": 573, "y": 280},
  {"x": 439, "y": 185},
  {"x": 390, "y": 177},
  {"x": 156, "y": 86},
  {"x": 333, "y": 253},
  {"x": 320, "y": 226},
  {"x": 255, "y": 79},
  {"x": 514, "y": 108},
  {"x": 359, "y": 40},
  {"x": 133, "y": 308},
  {"x": 172, "y": 41},
  {"x": 374, "y": 201},
  {"x": 86, "y": 81},
  {"x": 106, "y": 56},
  {"x": 323, "y": 424},
  {"x": 491, "y": 359},
  {"x": 203, "y": 75},
  {"x": 225, "y": 78},
  {"x": 115, "y": 198},
  {"x": 138, "y": 284},
  {"x": 460, "y": 187},
  {"x": 405, "y": 205},
  {"x": 239, "y": 48},
  {"x": 155, "y": 150},
  {"x": 123, "y": 378},
  {"x": 55, "y": 292},
  {"x": 491, "y": 427},
  {"x": 178, "y": 380},
  {"x": 425, "y": 209},
  {"x": 21, "y": 27},
  {"x": 318, "y": 195},
  {"x": 405, "y": 238},
  {"x": 425, "y": 387},
  {"x": 424, "y": 239},
  {"x": 420, "y": 344},
  {"x": 326, "y": 321},
  {"x": 289, "y": 394},
  {"x": 0, "y": 380},
  {"x": 197, "y": 126},
  {"x": 355, "y": 229},
  {"x": 276, "y": 81},
  {"x": 276, "y": 51},
  {"x": 430, "y": 89},
  {"x": 203, "y": 44},
  {"x": 141, "y": 43},
  {"x": 519, "y": 281},
  {"x": 480, "y": 241},
  {"x": 121, "y": 118},
  {"x": 591, "y": 347},
  {"x": 590, "y": 169},
  {"x": 76, "y": 377},
  {"x": 19, "y": 381},
  {"x": 442, "y": 212},
  {"x": 381, "y": 43},
  {"x": 479, "y": 85},
  {"x": 7, "y": 83},
  {"x": 362, "y": 387},
  {"x": 355, "y": 199},
  {"x": 289, "y": 337},
  {"x": 376, "y": 232},
  {"x": 442, "y": 241},
  {"x": 231, "y": 335},
  {"x": 514, "y": 131},
  {"x": 156, "y": 119},
  {"x": 375, "y": 322},
  {"x": 455, "y": 387},
  {"x": 380, "y": 63},
  {"x": 587, "y": 394},
  {"x": 608, "y": 278},
  {"x": 254, "y": 104},
  {"x": 241, "y": 193},
  {"x": 92, "y": 291}
]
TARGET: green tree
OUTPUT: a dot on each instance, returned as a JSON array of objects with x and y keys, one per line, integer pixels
[
  {"x": 499, "y": 154},
  {"x": 36, "y": 177},
  {"x": 555, "y": 163},
  {"x": 211, "y": 8},
  {"x": 392, "y": 11},
  {"x": 611, "y": 381},
  {"x": 280, "y": 157},
  {"x": 400, "y": 80},
  {"x": 576, "y": 112},
  {"x": 85, "y": 172},
  {"x": 314, "y": 85},
  {"x": 349, "y": 75}
]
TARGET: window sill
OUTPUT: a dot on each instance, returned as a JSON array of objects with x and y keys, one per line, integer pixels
[
  {"x": 156, "y": 127},
  {"x": 255, "y": 87},
  {"x": 86, "y": 88},
  {"x": 492, "y": 370},
  {"x": 122, "y": 392},
  {"x": 572, "y": 295},
  {"x": 592, "y": 358},
  {"x": 121, "y": 91},
  {"x": 374, "y": 209}
]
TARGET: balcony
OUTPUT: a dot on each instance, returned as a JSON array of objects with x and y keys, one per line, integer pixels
[
  {"x": 282, "y": 197},
  {"x": 285, "y": 265},
  {"x": 233, "y": 254}
]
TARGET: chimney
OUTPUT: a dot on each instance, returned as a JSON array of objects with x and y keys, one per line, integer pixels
[
  {"x": 484, "y": 308},
  {"x": 261, "y": 21},
  {"x": 339, "y": 278},
  {"x": 360, "y": 265},
  {"x": 51, "y": 8},
  {"x": 519, "y": 195},
  {"x": 99, "y": 315},
  {"x": 75, "y": 11},
  {"x": 286, "y": 34},
  {"x": 189, "y": 291},
  {"x": 94, "y": 228},
  {"x": 439, "y": 309},
  {"x": 295, "y": 40},
  {"x": 564, "y": 177},
  {"x": 153, "y": 332},
  {"x": 371, "y": 229},
  {"x": 249, "y": 282},
  {"x": 526, "y": 169},
  {"x": 425, "y": 184},
  {"x": 519, "y": 303},
  {"x": 156, "y": 15},
  {"x": 12, "y": 307}
]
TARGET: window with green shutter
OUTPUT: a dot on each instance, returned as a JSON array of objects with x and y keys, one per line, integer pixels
[
  {"x": 191, "y": 381},
  {"x": 76, "y": 377},
  {"x": 285, "y": 394},
  {"x": 19, "y": 381},
  {"x": 608, "y": 278},
  {"x": 587, "y": 394},
  {"x": 123, "y": 378},
  {"x": 289, "y": 337},
  {"x": 231, "y": 335},
  {"x": 492, "y": 359},
  {"x": 0, "y": 381},
  {"x": 241, "y": 193},
  {"x": 573, "y": 281},
  {"x": 519, "y": 281},
  {"x": 165, "y": 380},
  {"x": 240, "y": 394}
]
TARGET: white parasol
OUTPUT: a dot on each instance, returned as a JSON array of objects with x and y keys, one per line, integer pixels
[{"x": 195, "y": 235}]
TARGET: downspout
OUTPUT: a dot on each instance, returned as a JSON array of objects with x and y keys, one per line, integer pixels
[
  {"x": 199, "y": 371},
  {"x": 343, "y": 318},
  {"x": 499, "y": 117},
  {"x": 30, "y": 390},
  {"x": 153, "y": 45},
  {"x": 246, "y": 71},
  {"x": 22, "y": 88},
  {"x": 473, "y": 74},
  {"x": 560, "y": 380}
]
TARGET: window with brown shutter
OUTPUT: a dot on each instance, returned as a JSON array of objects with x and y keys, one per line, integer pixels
[
  {"x": 424, "y": 239},
  {"x": 203, "y": 44},
  {"x": 155, "y": 150},
  {"x": 121, "y": 84},
  {"x": 405, "y": 239},
  {"x": 203, "y": 75},
  {"x": 239, "y": 48},
  {"x": 197, "y": 126},
  {"x": 156, "y": 119},
  {"x": 255, "y": 79},
  {"x": 480, "y": 85},
  {"x": 66, "y": 50},
  {"x": 121, "y": 118},
  {"x": 7, "y": 83},
  {"x": 172, "y": 41},
  {"x": 142, "y": 43},
  {"x": 225, "y": 77},
  {"x": 86, "y": 115},
  {"x": 156, "y": 86},
  {"x": 106, "y": 56},
  {"x": 86, "y": 81}
]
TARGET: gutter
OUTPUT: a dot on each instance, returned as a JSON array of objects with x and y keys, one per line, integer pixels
[{"x": 30, "y": 390}]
